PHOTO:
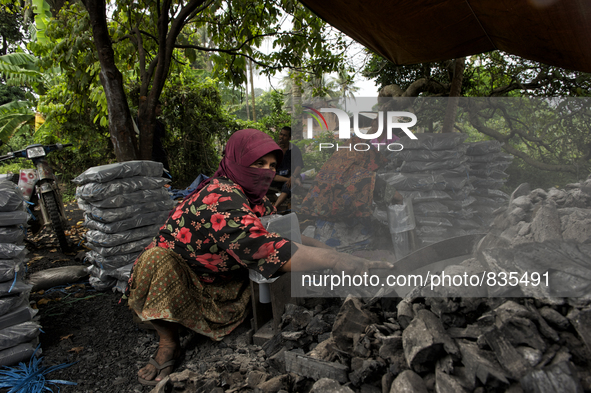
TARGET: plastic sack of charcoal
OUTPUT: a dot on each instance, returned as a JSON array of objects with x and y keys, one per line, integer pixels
[
  {"x": 492, "y": 157},
  {"x": 82, "y": 205},
  {"x": 464, "y": 213},
  {"x": 99, "y": 191},
  {"x": 17, "y": 217},
  {"x": 425, "y": 196},
  {"x": 10, "y": 251},
  {"x": 433, "y": 141},
  {"x": 12, "y": 234},
  {"x": 498, "y": 165},
  {"x": 16, "y": 316},
  {"x": 456, "y": 204},
  {"x": 11, "y": 197},
  {"x": 63, "y": 275},
  {"x": 125, "y": 248},
  {"x": 9, "y": 268},
  {"x": 473, "y": 223},
  {"x": 123, "y": 273},
  {"x": 421, "y": 166},
  {"x": 486, "y": 182},
  {"x": 459, "y": 171},
  {"x": 140, "y": 220},
  {"x": 120, "y": 170},
  {"x": 101, "y": 274},
  {"x": 488, "y": 172},
  {"x": 102, "y": 285},
  {"x": 431, "y": 155},
  {"x": 9, "y": 303},
  {"x": 111, "y": 263},
  {"x": 17, "y": 334},
  {"x": 102, "y": 239},
  {"x": 483, "y": 148},
  {"x": 122, "y": 213},
  {"x": 432, "y": 221},
  {"x": 10, "y": 288},
  {"x": 426, "y": 230},
  {"x": 137, "y": 197},
  {"x": 461, "y": 193},
  {"x": 120, "y": 286},
  {"x": 414, "y": 181},
  {"x": 17, "y": 354},
  {"x": 431, "y": 208},
  {"x": 455, "y": 183}
]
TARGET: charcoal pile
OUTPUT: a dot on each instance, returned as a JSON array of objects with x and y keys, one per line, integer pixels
[
  {"x": 125, "y": 204},
  {"x": 18, "y": 331},
  {"x": 511, "y": 338},
  {"x": 394, "y": 345}
]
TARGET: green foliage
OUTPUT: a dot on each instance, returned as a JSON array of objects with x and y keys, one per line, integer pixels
[
  {"x": 11, "y": 21},
  {"x": 69, "y": 47},
  {"x": 197, "y": 127},
  {"x": 314, "y": 158},
  {"x": 501, "y": 74},
  {"x": 387, "y": 73},
  {"x": 13, "y": 116},
  {"x": 21, "y": 139},
  {"x": 11, "y": 93},
  {"x": 271, "y": 116},
  {"x": 552, "y": 136}
]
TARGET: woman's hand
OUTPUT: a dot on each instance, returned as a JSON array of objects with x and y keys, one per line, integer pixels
[
  {"x": 351, "y": 265},
  {"x": 308, "y": 258}
]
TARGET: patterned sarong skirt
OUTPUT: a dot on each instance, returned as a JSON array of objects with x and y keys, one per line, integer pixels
[{"x": 164, "y": 287}]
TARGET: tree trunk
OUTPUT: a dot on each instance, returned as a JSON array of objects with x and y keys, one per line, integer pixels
[
  {"x": 146, "y": 125},
  {"x": 120, "y": 124},
  {"x": 246, "y": 97},
  {"x": 297, "y": 128},
  {"x": 454, "y": 95},
  {"x": 254, "y": 109}
]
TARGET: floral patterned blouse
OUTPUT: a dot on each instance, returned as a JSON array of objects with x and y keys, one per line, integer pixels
[{"x": 219, "y": 233}]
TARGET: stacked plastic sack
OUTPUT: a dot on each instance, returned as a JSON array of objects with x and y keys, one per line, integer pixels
[
  {"x": 18, "y": 332},
  {"x": 124, "y": 206},
  {"x": 434, "y": 175},
  {"x": 487, "y": 165}
]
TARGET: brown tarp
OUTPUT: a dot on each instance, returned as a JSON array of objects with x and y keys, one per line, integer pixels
[{"x": 555, "y": 32}]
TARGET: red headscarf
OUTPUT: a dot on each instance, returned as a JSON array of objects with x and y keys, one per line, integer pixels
[{"x": 243, "y": 148}]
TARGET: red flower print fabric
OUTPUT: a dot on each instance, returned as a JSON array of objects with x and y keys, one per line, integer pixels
[{"x": 220, "y": 234}]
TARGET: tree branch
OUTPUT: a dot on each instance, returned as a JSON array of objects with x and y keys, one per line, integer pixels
[{"x": 518, "y": 153}]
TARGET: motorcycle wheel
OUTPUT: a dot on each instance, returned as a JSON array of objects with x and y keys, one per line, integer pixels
[{"x": 56, "y": 223}]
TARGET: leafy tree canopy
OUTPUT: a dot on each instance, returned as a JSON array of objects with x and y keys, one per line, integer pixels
[
  {"x": 147, "y": 40},
  {"x": 550, "y": 134}
]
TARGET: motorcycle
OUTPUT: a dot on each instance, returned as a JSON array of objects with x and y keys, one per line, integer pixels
[{"x": 40, "y": 190}]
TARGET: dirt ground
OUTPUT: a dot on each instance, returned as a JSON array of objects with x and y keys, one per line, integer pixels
[{"x": 95, "y": 330}]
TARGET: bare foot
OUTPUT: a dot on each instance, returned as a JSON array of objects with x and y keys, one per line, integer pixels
[{"x": 165, "y": 353}]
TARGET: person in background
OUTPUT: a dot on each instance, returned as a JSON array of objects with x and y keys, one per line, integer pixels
[
  {"x": 195, "y": 272},
  {"x": 347, "y": 184},
  {"x": 285, "y": 179}
]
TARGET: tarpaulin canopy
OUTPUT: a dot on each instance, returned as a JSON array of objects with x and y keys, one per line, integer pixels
[{"x": 555, "y": 32}]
